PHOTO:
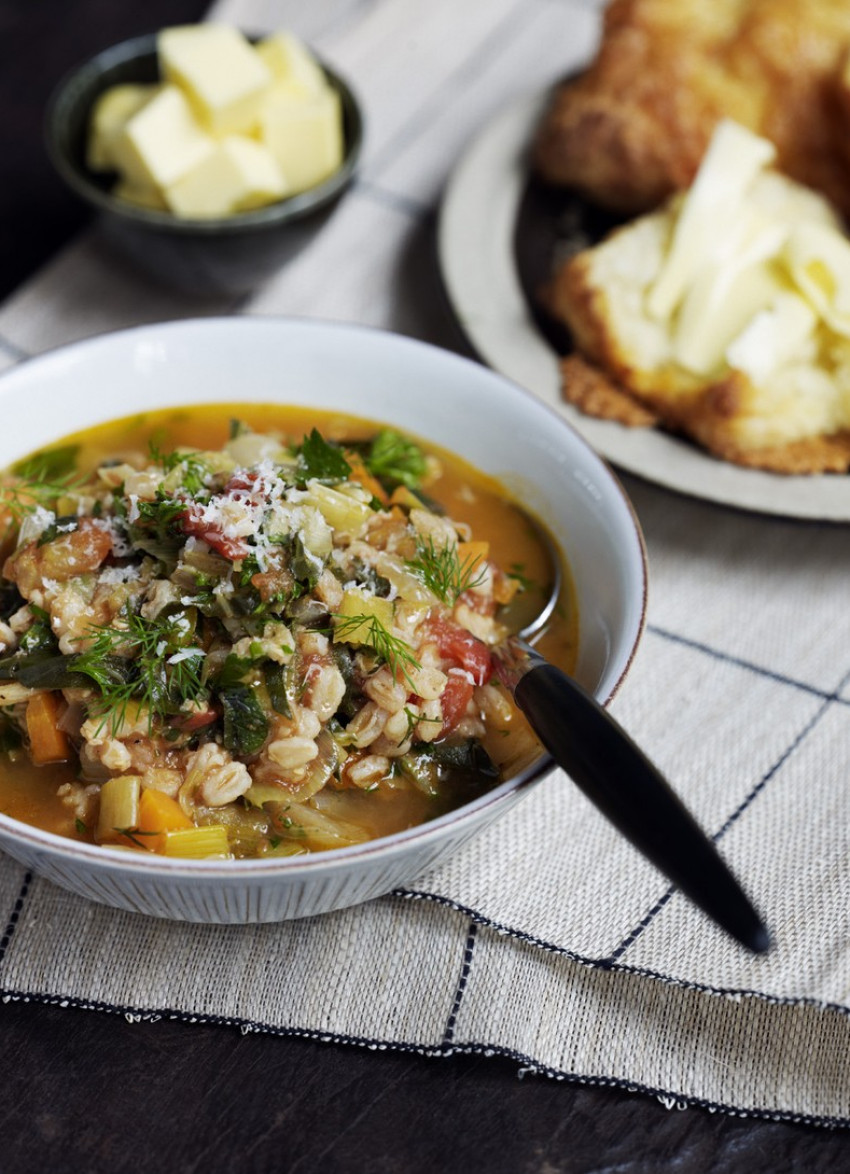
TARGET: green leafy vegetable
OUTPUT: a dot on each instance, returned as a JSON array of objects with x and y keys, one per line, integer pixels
[
  {"x": 39, "y": 636},
  {"x": 279, "y": 687},
  {"x": 395, "y": 460},
  {"x": 465, "y": 757},
  {"x": 245, "y": 723},
  {"x": 320, "y": 460}
]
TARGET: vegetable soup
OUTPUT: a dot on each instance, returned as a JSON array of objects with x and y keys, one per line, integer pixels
[{"x": 258, "y": 630}]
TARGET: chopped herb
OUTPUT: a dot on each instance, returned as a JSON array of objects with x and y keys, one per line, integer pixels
[
  {"x": 37, "y": 488},
  {"x": 368, "y": 629},
  {"x": 517, "y": 571},
  {"x": 159, "y": 682},
  {"x": 53, "y": 464},
  {"x": 133, "y": 833},
  {"x": 158, "y": 528},
  {"x": 443, "y": 571},
  {"x": 82, "y": 830},
  {"x": 395, "y": 460},
  {"x": 414, "y": 720},
  {"x": 320, "y": 460}
]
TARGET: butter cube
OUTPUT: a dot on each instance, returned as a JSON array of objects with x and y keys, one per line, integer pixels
[
  {"x": 292, "y": 65},
  {"x": 220, "y": 72},
  {"x": 112, "y": 111},
  {"x": 238, "y": 175},
  {"x": 162, "y": 142},
  {"x": 305, "y": 136}
]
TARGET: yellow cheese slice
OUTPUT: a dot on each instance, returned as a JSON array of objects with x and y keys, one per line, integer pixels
[
  {"x": 162, "y": 142},
  {"x": 818, "y": 259},
  {"x": 734, "y": 158},
  {"x": 305, "y": 136},
  {"x": 112, "y": 111},
  {"x": 239, "y": 174},
  {"x": 220, "y": 72},
  {"x": 725, "y": 294},
  {"x": 774, "y": 336}
]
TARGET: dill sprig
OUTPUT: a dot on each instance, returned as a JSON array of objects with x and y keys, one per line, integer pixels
[
  {"x": 444, "y": 572},
  {"x": 40, "y": 480},
  {"x": 28, "y": 494},
  {"x": 368, "y": 629},
  {"x": 158, "y": 676}
]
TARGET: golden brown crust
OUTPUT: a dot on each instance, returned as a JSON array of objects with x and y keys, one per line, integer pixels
[
  {"x": 590, "y": 390},
  {"x": 706, "y": 418},
  {"x": 634, "y": 126}
]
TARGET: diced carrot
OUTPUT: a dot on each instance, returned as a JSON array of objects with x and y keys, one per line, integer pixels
[
  {"x": 158, "y": 814},
  {"x": 361, "y": 474},
  {"x": 47, "y": 742},
  {"x": 470, "y": 553},
  {"x": 402, "y": 496}
]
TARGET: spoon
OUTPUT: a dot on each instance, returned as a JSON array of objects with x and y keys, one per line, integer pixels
[{"x": 615, "y": 774}]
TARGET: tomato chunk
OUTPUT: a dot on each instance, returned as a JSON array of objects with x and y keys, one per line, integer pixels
[
  {"x": 194, "y": 524},
  {"x": 454, "y": 699},
  {"x": 467, "y": 651}
]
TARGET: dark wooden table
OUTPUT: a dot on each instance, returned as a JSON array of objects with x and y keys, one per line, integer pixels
[{"x": 88, "y": 1091}]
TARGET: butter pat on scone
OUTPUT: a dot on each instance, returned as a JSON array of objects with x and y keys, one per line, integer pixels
[{"x": 724, "y": 315}]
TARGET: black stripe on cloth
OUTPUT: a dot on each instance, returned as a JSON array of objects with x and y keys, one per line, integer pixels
[
  {"x": 14, "y": 916},
  {"x": 749, "y": 666},
  {"x": 815, "y": 720},
  {"x": 466, "y": 966}
]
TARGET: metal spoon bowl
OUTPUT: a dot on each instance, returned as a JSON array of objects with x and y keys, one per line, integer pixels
[{"x": 615, "y": 774}]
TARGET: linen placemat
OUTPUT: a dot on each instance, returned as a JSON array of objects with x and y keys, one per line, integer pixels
[{"x": 547, "y": 938}]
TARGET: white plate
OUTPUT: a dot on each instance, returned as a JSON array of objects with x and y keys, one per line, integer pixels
[{"x": 476, "y": 252}]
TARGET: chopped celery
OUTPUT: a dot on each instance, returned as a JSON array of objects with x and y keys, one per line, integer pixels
[
  {"x": 119, "y": 807},
  {"x": 196, "y": 843},
  {"x": 340, "y": 510}
]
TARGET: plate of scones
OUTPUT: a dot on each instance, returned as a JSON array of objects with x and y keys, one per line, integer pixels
[{"x": 657, "y": 247}]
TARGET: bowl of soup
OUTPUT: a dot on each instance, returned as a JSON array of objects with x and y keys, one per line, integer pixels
[{"x": 254, "y": 576}]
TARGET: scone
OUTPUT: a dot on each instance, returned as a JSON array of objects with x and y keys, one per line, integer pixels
[
  {"x": 633, "y": 127},
  {"x": 725, "y": 315}
]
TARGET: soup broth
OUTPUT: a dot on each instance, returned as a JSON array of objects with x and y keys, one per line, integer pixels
[{"x": 268, "y": 598}]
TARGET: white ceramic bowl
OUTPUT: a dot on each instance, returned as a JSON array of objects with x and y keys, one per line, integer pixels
[{"x": 431, "y": 393}]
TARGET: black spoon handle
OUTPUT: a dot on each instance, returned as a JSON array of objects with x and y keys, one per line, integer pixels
[{"x": 616, "y": 775}]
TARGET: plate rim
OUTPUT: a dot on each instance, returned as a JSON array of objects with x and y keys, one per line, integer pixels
[{"x": 475, "y": 252}]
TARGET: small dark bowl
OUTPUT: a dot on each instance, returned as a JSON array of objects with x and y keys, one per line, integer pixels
[{"x": 231, "y": 255}]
